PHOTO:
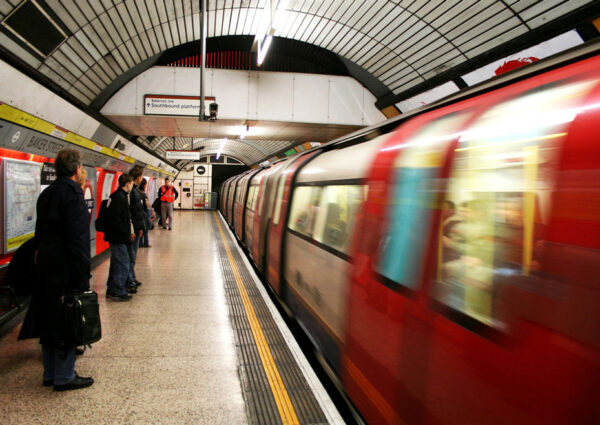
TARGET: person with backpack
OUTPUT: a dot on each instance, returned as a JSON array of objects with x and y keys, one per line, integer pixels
[
  {"x": 167, "y": 195},
  {"x": 119, "y": 233}
]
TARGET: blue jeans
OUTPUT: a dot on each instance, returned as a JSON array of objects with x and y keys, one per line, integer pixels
[
  {"x": 145, "y": 242},
  {"x": 59, "y": 364},
  {"x": 118, "y": 273},
  {"x": 133, "y": 249}
]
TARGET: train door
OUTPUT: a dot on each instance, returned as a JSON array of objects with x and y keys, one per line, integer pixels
[
  {"x": 237, "y": 191},
  {"x": 223, "y": 197},
  {"x": 387, "y": 350},
  {"x": 251, "y": 207},
  {"x": 231, "y": 199}
]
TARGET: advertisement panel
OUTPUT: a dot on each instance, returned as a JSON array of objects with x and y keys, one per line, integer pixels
[{"x": 21, "y": 188}]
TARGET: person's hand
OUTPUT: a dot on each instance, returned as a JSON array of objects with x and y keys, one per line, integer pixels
[
  {"x": 132, "y": 237},
  {"x": 140, "y": 233}
]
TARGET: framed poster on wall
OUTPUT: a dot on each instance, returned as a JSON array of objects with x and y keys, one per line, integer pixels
[{"x": 21, "y": 183}]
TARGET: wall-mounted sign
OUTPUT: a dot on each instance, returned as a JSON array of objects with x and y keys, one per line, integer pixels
[
  {"x": 201, "y": 169},
  {"x": 189, "y": 106},
  {"x": 188, "y": 155}
]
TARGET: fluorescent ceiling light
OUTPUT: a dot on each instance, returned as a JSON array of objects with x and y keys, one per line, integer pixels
[{"x": 262, "y": 50}]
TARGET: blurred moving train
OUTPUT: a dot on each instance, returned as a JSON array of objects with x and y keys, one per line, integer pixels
[{"x": 447, "y": 264}]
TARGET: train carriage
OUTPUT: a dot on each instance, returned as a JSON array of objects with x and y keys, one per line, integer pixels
[
  {"x": 250, "y": 210},
  {"x": 240, "y": 202}
]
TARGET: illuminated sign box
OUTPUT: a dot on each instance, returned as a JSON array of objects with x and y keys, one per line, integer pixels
[{"x": 187, "y": 155}]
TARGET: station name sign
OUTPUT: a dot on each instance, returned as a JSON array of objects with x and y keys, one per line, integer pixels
[
  {"x": 189, "y": 155},
  {"x": 187, "y": 106}
]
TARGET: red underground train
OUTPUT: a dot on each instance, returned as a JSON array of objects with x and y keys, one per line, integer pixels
[{"x": 446, "y": 264}]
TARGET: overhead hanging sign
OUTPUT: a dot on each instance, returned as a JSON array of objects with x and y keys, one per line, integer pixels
[
  {"x": 188, "y": 106},
  {"x": 188, "y": 155}
]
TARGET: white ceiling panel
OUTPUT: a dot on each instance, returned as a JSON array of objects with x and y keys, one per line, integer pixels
[
  {"x": 235, "y": 22},
  {"x": 97, "y": 33},
  {"x": 558, "y": 11},
  {"x": 482, "y": 48},
  {"x": 433, "y": 59},
  {"x": 5, "y": 7},
  {"x": 103, "y": 77}
]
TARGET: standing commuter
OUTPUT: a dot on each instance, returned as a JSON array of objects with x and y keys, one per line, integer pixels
[
  {"x": 62, "y": 258},
  {"x": 138, "y": 218},
  {"x": 145, "y": 242},
  {"x": 119, "y": 235},
  {"x": 167, "y": 195}
]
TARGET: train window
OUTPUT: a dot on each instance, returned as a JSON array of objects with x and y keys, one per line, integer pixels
[
  {"x": 413, "y": 197},
  {"x": 305, "y": 206},
  {"x": 500, "y": 187},
  {"x": 336, "y": 215}
]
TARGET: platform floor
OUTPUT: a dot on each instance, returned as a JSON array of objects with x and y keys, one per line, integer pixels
[{"x": 169, "y": 356}]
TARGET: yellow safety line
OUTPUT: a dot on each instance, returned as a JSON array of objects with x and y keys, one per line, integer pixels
[{"x": 282, "y": 398}]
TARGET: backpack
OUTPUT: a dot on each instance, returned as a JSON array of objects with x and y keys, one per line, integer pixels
[{"x": 102, "y": 220}]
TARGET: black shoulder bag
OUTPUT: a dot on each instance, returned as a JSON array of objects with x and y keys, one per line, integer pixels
[{"x": 81, "y": 315}]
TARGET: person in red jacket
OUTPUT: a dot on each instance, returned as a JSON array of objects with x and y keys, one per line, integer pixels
[{"x": 167, "y": 195}]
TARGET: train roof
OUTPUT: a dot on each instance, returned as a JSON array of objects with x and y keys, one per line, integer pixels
[{"x": 347, "y": 163}]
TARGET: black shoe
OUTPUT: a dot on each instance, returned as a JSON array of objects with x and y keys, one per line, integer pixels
[
  {"x": 137, "y": 283},
  {"x": 48, "y": 382},
  {"x": 131, "y": 289},
  {"x": 75, "y": 384},
  {"x": 164, "y": 227},
  {"x": 114, "y": 297},
  {"x": 170, "y": 228},
  {"x": 79, "y": 351}
]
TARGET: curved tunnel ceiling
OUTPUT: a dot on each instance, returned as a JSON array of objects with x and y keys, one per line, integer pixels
[{"x": 392, "y": 47}]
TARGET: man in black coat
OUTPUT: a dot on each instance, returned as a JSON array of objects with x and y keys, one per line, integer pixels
[
  {"x": 138, "y": 218},
  {"x": 119, "y": 235},
  {"x": 62, "y": 257}
]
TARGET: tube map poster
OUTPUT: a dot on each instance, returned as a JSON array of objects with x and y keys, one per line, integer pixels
[{"x": 21, "y": 191}]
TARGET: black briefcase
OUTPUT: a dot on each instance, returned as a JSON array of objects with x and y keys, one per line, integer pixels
[{"x": 81, "y": 315}]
